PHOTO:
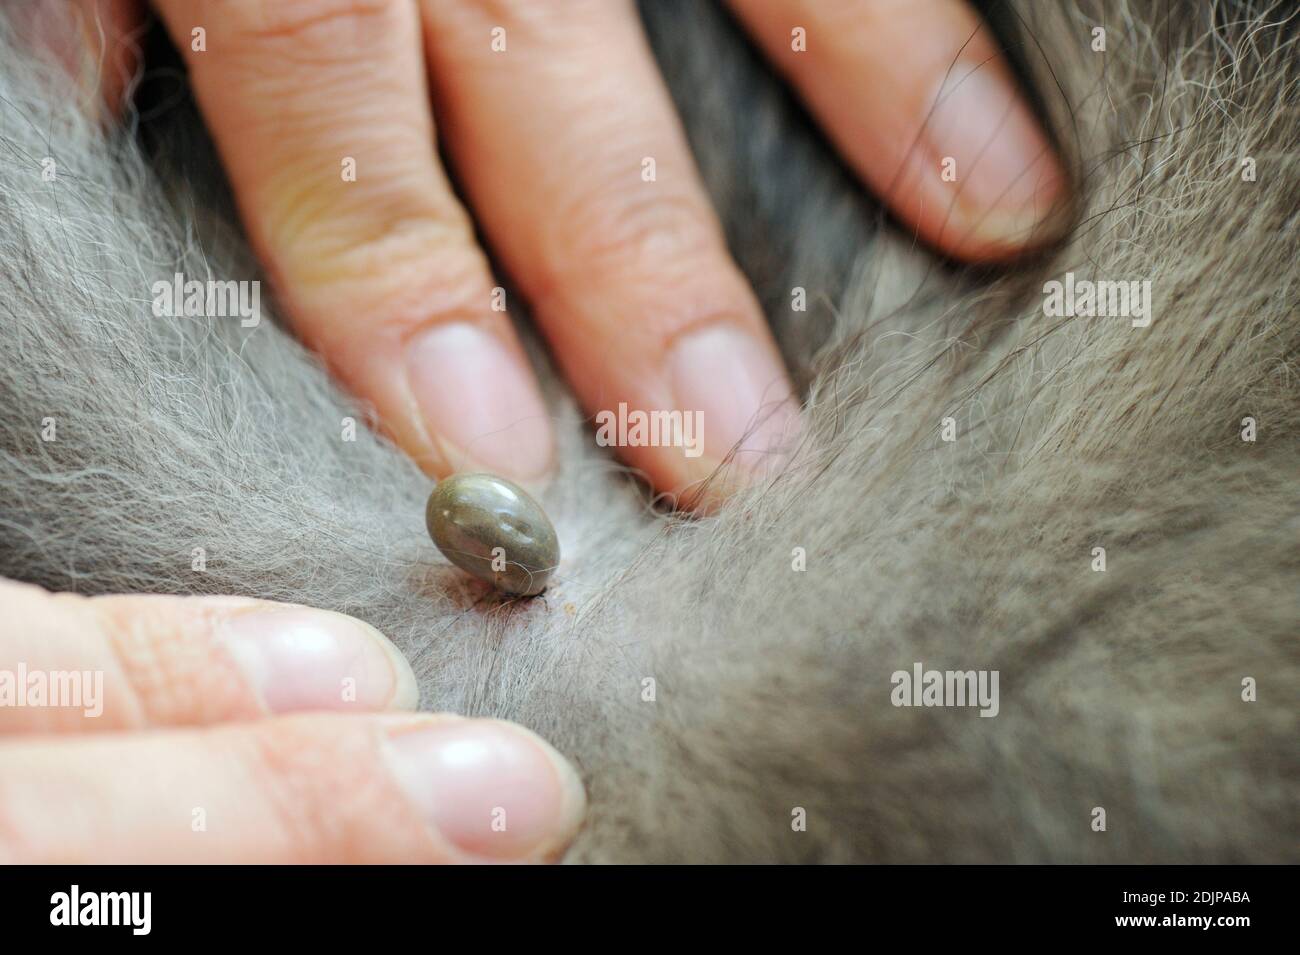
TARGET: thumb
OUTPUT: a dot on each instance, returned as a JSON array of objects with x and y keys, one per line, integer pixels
[{"x": 311, "y": 788}]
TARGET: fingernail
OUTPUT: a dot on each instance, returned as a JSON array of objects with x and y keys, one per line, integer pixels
[
  {"x": 741, "y": 391},
  {"x": 1010, "y": 184},
  {"x": 296, "y": 658},
  {"x": 491, "y": 789},
  {"x": 479, "y": 402}
]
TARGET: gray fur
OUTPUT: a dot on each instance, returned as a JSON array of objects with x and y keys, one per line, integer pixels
[{"x": 1119, "y": 689}]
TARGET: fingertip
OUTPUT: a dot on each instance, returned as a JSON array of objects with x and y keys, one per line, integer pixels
[
  {"x": 478, "y": 401},
  {"x": 487, "y": 789},
  {"x": 736, "y": 384},
  {"x": 943, "y": 135},
  {"x": 300, "y": 658},
  {"x": 91, "y": 41},
  {"x": 995, "y": 181}
]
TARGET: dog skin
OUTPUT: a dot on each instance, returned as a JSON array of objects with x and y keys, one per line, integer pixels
[{"x": 965, "y": 456}]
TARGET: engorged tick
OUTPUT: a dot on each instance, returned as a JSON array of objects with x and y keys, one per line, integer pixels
[{"x": 493, "y": 529}]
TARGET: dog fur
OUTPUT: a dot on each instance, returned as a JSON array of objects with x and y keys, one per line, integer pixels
[{"x": 1120, "y": 689}]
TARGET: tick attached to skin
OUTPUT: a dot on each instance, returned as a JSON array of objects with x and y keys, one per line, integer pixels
[{"x": 493, "y": 529}]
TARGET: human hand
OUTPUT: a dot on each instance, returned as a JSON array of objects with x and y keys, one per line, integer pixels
[
  {"x": 549, "y": 113},
  {"x": 158, "y": 729}
]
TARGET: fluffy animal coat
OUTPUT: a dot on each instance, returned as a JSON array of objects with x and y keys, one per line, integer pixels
[{"x": 967, "y": 457}]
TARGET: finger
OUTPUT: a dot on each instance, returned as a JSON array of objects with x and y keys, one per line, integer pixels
[
  {"x": 624, "y": 264},
  {"x": 921, "y": 102},
  {"x": 94, "y": 42},
  {"x": 305, "y": 789},
  {"x": 320, "y": 110},
  {"x": 70, "y": 663}
]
